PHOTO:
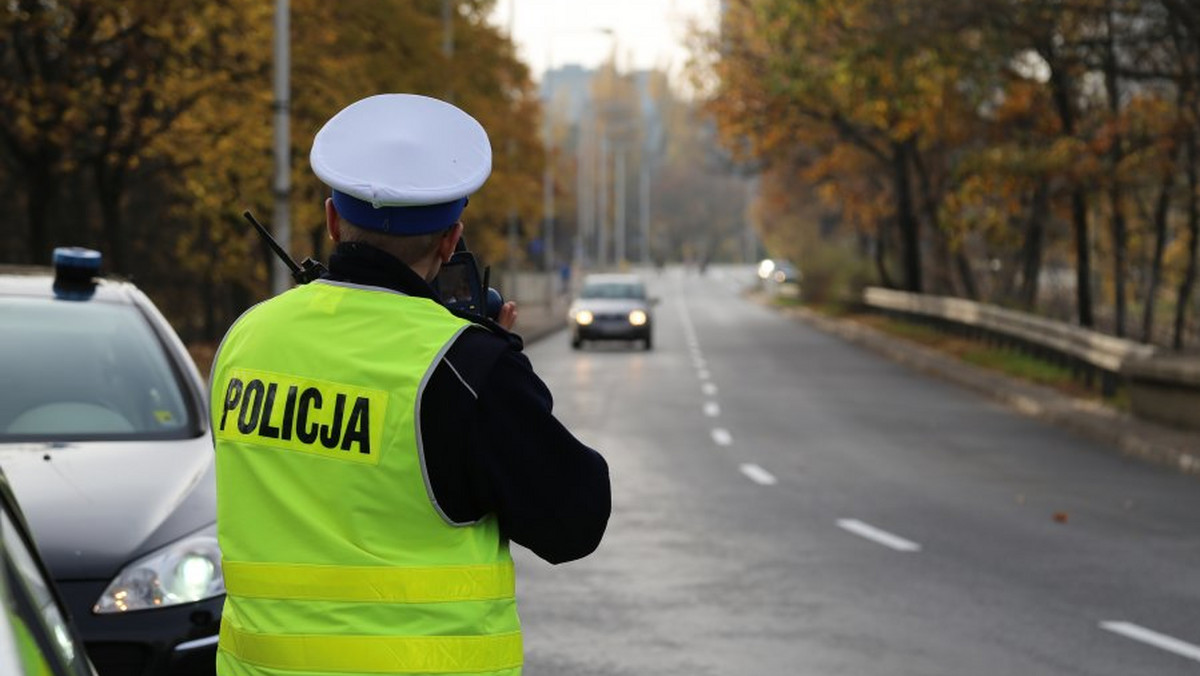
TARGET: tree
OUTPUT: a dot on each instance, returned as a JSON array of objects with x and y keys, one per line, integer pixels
[{"x": 143, "y": 129}]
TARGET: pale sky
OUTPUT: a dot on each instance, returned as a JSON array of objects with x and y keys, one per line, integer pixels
[{"x": 646, "y": 33}]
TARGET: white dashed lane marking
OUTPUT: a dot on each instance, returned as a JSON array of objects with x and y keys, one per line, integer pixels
[
  {"x": 709, "y": 389},
  {"x": 865, "y": 530},
  {"x": 1151, "y": 637},
  {"x": 722, "y": 437},
  {"x": 758, "y": 475},
  {"x": 712, "y": 409}
]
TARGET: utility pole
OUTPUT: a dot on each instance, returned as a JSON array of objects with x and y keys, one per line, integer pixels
[
  {"x": 548, "y": 206},
  {"x": 619, "y": 208},
  {"x": 583, "y": 193},
  {"x": 511, "y": 152},
  {"x": 281, "y": 219},
  {"x": 548, "y": 172},
  {"x": 448, "y": 43},
  {"x": 602, "y": 206},
  {"x": 644, "y": 208}
]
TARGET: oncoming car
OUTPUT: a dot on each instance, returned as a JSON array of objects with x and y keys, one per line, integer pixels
[
  {"x": 104, "y": 438},
  {"x": 611, "y": 307}
]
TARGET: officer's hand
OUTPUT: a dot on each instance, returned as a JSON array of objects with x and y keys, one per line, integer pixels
[{"x": 508, "y": 315}]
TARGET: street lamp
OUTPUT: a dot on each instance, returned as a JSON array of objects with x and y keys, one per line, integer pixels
[
  {"x": 548, "y": 202},
  {"x": 281, "y": 219}
]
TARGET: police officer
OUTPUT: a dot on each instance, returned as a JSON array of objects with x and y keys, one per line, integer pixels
[{"x": 376, "y": 452}]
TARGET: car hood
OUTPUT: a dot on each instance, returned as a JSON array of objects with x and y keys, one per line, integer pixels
[
  {"x": 607, "y": 305},
  {"x": 95, "y": 506}
]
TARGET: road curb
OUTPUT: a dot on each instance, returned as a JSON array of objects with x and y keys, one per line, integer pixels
[{"x": 1131, "y": 436}]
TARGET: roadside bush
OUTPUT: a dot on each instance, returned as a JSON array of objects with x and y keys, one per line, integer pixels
[{"x": 833, "y": 274}]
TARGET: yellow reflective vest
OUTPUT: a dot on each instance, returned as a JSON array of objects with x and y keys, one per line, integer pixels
[{"x": 337, "y": 559}]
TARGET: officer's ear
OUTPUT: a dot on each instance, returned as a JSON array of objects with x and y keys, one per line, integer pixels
[
  {"x": 333, "y": 222},
  {"x": 449, "y": 242}
]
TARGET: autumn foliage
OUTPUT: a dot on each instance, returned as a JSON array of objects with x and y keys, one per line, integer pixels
[
  {"x": 144, "y": 128},
  {"x": 1034, "y": 153}
]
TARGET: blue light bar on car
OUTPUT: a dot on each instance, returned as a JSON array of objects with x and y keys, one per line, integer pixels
[{"x": 75, "y": 269}]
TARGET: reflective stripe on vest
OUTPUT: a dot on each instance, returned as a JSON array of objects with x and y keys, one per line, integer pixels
[
  {"x": 375, "y": 654},
  {"x": 434, "y": 584}
]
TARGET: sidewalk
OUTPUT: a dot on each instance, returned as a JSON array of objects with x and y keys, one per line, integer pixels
[{"x": 1133, "y": 437}]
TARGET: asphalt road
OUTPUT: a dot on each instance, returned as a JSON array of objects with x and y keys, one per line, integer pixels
[{"x": 785, "y": 503}]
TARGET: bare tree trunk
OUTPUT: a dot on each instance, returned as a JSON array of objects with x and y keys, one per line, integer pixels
[
  {"x": 885, "y": 278},
  {"x": 110, "y": 193},
  {"x": 1116, "y": 195},
  {"x": 965, "y": 275},
  {"x": 1184, "y": 297},
  {"x": 1031, "y": 250},
  {"x": 1063, "y": 91},
  {"x": 43, "y": 190},
  {"x": 1083, "y": 258},
  {"x": 1161, "y": 209},
  {"x": 949, "y": 261},
  {"x": 1120, "y": 242},
  {"x": 906, "y": 218}
]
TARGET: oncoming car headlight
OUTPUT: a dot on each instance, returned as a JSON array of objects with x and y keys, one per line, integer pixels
[
  {"x": 637, "y": 317},
  {"x": 584, "y": 317},
  {"x": 765, "y": 268},
  {"x": 184, "y": 571}
]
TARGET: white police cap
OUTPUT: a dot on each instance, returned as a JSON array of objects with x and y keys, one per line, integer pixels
[{"x": 401, "y": 163}]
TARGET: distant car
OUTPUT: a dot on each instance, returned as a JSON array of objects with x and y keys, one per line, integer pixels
[
  {"x": 611, "y": 307},
  {"x": 778, "y": 271},
  {"x": 36, "y": 634},
  {"x": 104, "y": 437}
]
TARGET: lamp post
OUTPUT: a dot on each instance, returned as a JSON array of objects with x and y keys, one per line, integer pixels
[
  {"x": 281, "y": 219},
  {"x": 619, "y": 207},
  {"x": 602, "y": 206},
  {"x": 448, "y": 42}
]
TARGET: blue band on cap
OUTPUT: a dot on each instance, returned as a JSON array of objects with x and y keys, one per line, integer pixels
[{"x": 399, "y": 220}]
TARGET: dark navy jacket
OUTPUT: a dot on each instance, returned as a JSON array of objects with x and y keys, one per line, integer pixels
[{"x": 492, "y": 443}]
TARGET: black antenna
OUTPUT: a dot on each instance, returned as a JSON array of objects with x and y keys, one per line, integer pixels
[{"x": 305, "y": 272}]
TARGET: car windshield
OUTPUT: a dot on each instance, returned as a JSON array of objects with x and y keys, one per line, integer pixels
[
  {"x": 87, "y": 371},
  {"x": 613, "y": 290}
]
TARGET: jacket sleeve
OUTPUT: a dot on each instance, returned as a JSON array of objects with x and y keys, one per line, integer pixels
[{"x": 550, "y": 491}]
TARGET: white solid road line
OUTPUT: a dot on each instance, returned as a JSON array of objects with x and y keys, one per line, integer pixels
[
  {"x": 758, "y": 475},
  {"x": 712, "y": 409},
  {"x": 722, "y": 437},
  {"x": 709, "y": 389},
  {"x": 1150, "y": 637},
  {"x": 878, "y": 536}
]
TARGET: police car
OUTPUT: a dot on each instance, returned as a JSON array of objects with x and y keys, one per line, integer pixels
[{"x": 104, "y": 437}]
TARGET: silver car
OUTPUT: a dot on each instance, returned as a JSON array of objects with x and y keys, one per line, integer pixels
[{"x": 611, "y": 307}]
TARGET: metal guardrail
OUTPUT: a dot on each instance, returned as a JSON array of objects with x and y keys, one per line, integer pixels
[{"x": 1073, "y": 345}]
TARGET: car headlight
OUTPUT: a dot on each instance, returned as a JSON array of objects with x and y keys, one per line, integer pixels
[
  {"x": 765, "y": 268},
  {"x": 779, "y": 276},
  {"x": 638, "y": 317},
  {"x": 184, "y": 571},
  {"x": 584, "y": 317}
]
